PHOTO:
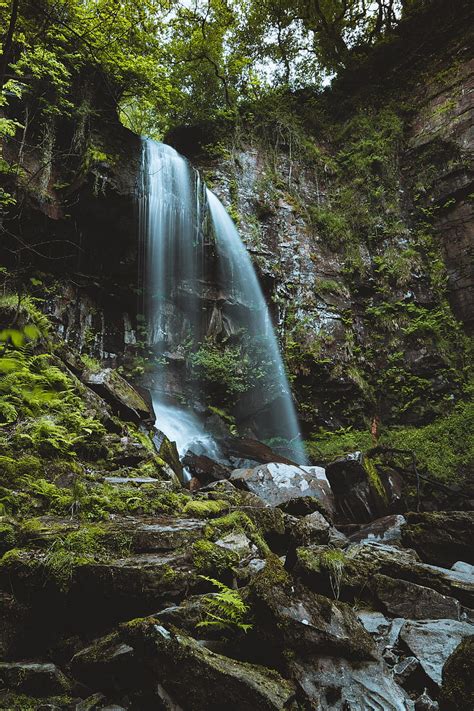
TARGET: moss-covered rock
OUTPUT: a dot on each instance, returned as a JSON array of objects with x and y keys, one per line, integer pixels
[
  {"x": 457, "y": 690},
  {"x": 196, "y": 678},
  {"x": 441, "y": 537}
]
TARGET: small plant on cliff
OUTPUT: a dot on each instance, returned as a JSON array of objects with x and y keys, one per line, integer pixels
[{"x": 225, "y": 609}]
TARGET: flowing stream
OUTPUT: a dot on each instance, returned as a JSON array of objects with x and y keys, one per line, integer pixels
[{"x": 196, "y": 266}]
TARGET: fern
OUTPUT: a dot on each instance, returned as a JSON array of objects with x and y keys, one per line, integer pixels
[{"x": 225, "y": 609}]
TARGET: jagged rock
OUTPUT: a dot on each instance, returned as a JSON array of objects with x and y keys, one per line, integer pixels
[
  {"x": 332, "y": 684},
  {"x": 305, "y": 505},
  {"x": 35, "y": 679},
  {"x": 203, "y": 679},
  {"x": 361, "y": 491},
  {"x": 108, "y": 665},
  {"x": 440, "y": 537},
  {"x": 457, "y": 690},
  {"x": 311, "y": 529},
  {"x": 386, "y": 529},
  {"x": 363, "y": 561},
  {"x": 135, "y": 584},
  {"x": 463, "y": 568},
  {"x": 238, "y": 543},
  {"x": 404, "y": 599},
  {"x": 168, "y": 451},
  {"x": 165, "y": 533},
  {"x": 252, "y": 449},
  {"x": 294, "y": 617},
  {"x": 276, "y": 483},
  {"x": 204, "y": 468},
  {"x": 433, "y": 641},
  {"x": 404, "y": 670},
  {"x": 121, "y": 396},
  {"x": 426, "y": 703}
]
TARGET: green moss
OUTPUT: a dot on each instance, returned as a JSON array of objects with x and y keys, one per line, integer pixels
[
  {"x": 209, "y": 559},
  {"x": 205, "y": 508},
  {"x": 237, "y": 521},
  {"x": 7, "y": 537},
  {"x": 370, "y": 466}
]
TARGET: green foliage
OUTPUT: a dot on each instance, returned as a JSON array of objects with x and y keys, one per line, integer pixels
[
  {"x": 210, "y": 559},
  {"x": 327, "y": 445},
  {"x": 444, "y": 448},
  {"x": 225, "y": 610}
]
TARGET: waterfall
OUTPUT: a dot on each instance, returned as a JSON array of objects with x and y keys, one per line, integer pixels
[{"x": 195, "y": 265}]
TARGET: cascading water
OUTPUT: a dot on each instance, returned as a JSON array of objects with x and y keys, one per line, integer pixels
[
  {"x": 237, "y": 271},
  {"x": 177, "y": 212}
]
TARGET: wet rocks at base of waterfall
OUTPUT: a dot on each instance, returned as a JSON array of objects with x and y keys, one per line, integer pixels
[
  {"x": 278, "y": 483},
  {"x": 362, "y": 490},
  {"x": 204, "y": 469},
  {"x": 124, "y": 400}
]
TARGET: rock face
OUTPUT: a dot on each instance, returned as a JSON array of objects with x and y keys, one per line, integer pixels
[{"x": 279, "y": 483}]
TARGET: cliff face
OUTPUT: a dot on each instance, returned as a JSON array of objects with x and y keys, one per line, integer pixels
[
  {"x": 354, "y": 205},
  {"x": 360, "y": 223}
]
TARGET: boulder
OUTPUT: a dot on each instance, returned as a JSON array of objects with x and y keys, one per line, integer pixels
[
  {"x": 33, "y": 678},
  {"x": 311, "y": 529},
  {"x": 168, "y": 452},
  {"x": 440, "y": 537},
  {"x": 361, "y": 562},
  {"x": 292, "y": 617},
  {"x": 133, "y": 585},
  {"x": 252, "y": 449},
  {"x": 433, "y": 641},
  {"x": 362, "y": 491},
  {"x": 108, "y": 665},
  {"x": 204, "y": 468},
  {"x": 277, "y": 483},
  {"x": 386, "y": 529},
  {"x": 331, "y": 684},
  {"x": 402, "y": 598},
  {"x": 457, "y": 689},
  {"x": 203, "y": 679},
  {"x": 124, "y": 400}
]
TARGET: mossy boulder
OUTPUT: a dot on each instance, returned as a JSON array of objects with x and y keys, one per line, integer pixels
[
  {"x": 441, "y": 537},
  {"x": 457, "y": 690},
  {"x": 195, "y": 678},
  {"x": 32, "y": 678},
  {"x": 124, "y": 400},
  {"x": 291, "y": 617},
  {"x": 364, "y": 489}
]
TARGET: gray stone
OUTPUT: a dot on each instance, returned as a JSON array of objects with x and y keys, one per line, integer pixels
[
  {"x": 464, "y": 568},
  {"x": 277, "y": 483},
  {"x": 415, "y": 602},
  {"x": 404, "y": 669},
  {"x": 386, "y": 529},
  {"x": 332, "y": 684},
  {"x": 426, "y": 703},
  {"x": 217, "y": 682},
  {"x": 433, "y": 641},
  {"x": 119, "y": 394},
  {"x": 311, "y": 529},
  {"x": 33, "y": 678}
]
